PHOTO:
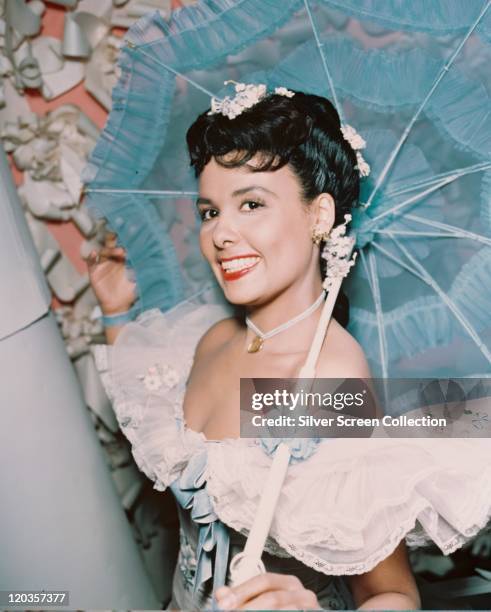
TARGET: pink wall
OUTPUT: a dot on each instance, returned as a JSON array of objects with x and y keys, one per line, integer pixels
[{"x": 67, "y": 235}]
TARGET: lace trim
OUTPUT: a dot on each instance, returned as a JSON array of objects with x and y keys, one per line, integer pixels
[
  {"x": 414, "y": 533},
  {"x": 182, "y": 443},
  {"x": 339, "y": 569}
]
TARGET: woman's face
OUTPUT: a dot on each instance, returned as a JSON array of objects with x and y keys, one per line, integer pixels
[{"x": 255, "y": 231}]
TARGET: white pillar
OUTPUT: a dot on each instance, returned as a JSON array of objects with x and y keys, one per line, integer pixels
[{"x": 61, "y": 521}]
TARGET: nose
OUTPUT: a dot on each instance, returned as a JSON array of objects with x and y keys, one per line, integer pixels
[{"x": 225, "y": 231}]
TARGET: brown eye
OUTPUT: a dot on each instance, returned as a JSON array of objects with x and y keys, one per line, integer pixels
[
  {"x": 255, "y": 204},
  {"x": 203, "y": 216}
]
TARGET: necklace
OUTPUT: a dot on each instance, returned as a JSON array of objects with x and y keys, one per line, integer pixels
[{"x": 257, "y": 343}]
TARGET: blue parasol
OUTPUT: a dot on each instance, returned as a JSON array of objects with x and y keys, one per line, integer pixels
[{"x": 411, "y": 77}]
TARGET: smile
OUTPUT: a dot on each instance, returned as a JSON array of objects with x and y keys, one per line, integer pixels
[{"x": 236, "y": 268}]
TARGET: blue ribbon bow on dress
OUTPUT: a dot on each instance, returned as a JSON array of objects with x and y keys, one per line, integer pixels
[{"x": 189, "y": 490}]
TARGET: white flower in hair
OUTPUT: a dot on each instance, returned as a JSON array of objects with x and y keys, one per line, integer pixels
[
  {"x": 216, "y": 106},
  {"x": 247, "y": 95},
  {"x": 352, "y": 136},
  {"x": 283, "y": 91},
  {"x": 357, "y": 143},
  {"x": 362, "y": 165},
  {"x": 336, "y": 252}
]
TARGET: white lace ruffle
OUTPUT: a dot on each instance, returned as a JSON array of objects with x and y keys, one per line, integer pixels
[
  {"x": 342, "y": 510},
  {"x": 144, "y": 374},
  {"x": 347, "y": 507}
]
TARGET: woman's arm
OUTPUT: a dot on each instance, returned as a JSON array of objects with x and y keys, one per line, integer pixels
[
  {"x": 114, "y": 291},
  {"x": 388, "y": 586}
]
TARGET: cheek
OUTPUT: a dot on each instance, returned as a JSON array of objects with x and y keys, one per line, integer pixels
[
  {"x": 206, "y": 242},
  {"x": 281, "y": 225},
  {"x": 287, "y": 235}
]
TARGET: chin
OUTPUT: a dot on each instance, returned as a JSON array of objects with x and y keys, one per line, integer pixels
[
  {"x": 247, "y": 296},
  {"x": 242, "y": 296}
]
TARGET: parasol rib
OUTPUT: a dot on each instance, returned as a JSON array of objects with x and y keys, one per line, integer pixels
[
  {"x": 397, "y": 260},
  {"x": 372, "y": 289},
  {"x": 475, "y": 237},
  {"x": 411, "y": 200},
  {"x": 324, "y": 63},
  {"x": 443, "y": 72},
  {"x": 457, "y": 173},
  {"x": 365, "y": 266},
  {"x": 170, "y": 69},
  {"x": 455, "y": 231},
  {"x": 373, "y": 282},
  {"x": 159, "y": 192},
  {"x": 372, "y": 268},
  {"x": 409, "y": 233},
  {"x": 451, "y": 305}
]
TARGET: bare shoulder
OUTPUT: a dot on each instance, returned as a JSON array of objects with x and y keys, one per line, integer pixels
[
  {"x": 342, "y": 355},
  {"x": 219, "y": 333}
]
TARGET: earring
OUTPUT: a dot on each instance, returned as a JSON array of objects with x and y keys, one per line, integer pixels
[
  {"x": 319, "y": 231},
  {"x": 318, "y": 234}
]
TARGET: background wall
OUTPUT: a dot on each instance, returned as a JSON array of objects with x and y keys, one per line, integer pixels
[{"x": 48, "y": 148}]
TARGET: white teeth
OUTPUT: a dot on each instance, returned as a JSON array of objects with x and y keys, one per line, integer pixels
[{"x": 239, "y": 264}]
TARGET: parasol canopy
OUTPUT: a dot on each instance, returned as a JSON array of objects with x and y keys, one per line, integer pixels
[{"x": 412, "y": 78}]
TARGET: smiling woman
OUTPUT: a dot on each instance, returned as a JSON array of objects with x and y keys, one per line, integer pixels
[
  {"x": 275, "y": 181},
  {"x": 258, "y": 226},
  {"x": 272, "y": 163}
]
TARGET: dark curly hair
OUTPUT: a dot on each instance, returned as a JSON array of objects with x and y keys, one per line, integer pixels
[{"x": 302, "y": 131}]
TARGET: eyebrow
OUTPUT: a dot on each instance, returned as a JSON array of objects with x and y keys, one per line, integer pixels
[{"x": 238, "y": 192}]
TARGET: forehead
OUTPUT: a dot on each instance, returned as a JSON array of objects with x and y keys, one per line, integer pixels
[{"x": 219, "y": 180}]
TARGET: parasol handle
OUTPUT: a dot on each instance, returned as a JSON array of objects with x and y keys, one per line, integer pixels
[
  {"x": 246, "y": 564},
  {"x": 308, "y": 368}
]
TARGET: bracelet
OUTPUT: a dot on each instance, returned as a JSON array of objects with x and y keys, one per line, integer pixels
[{"x": 120, "y": 318}]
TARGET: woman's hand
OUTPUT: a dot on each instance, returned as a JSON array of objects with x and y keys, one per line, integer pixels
[
  {"x": 267, "y": 591},
  {"x": 115, "y": 292}
]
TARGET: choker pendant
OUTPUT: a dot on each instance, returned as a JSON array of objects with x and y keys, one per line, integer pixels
[{"x": 256, "y": 345}]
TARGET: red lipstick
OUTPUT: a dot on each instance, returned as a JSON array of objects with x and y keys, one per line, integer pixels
[{"x": 231, "y": 275}]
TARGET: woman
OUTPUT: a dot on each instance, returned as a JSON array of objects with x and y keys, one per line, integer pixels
[{"x": 274, "y": 177}]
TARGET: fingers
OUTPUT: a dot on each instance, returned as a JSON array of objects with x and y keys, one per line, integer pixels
[
  {"x": 281, "y": 599},
  {"x": 108, "y": 251},
  {"x": 90, "y": 258},
  {"x": 105, "y": 253},
  {"x": 236, "y": 596},
  {"x": 272, "y": 600},
  {"x": 110, "y": 239}
]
